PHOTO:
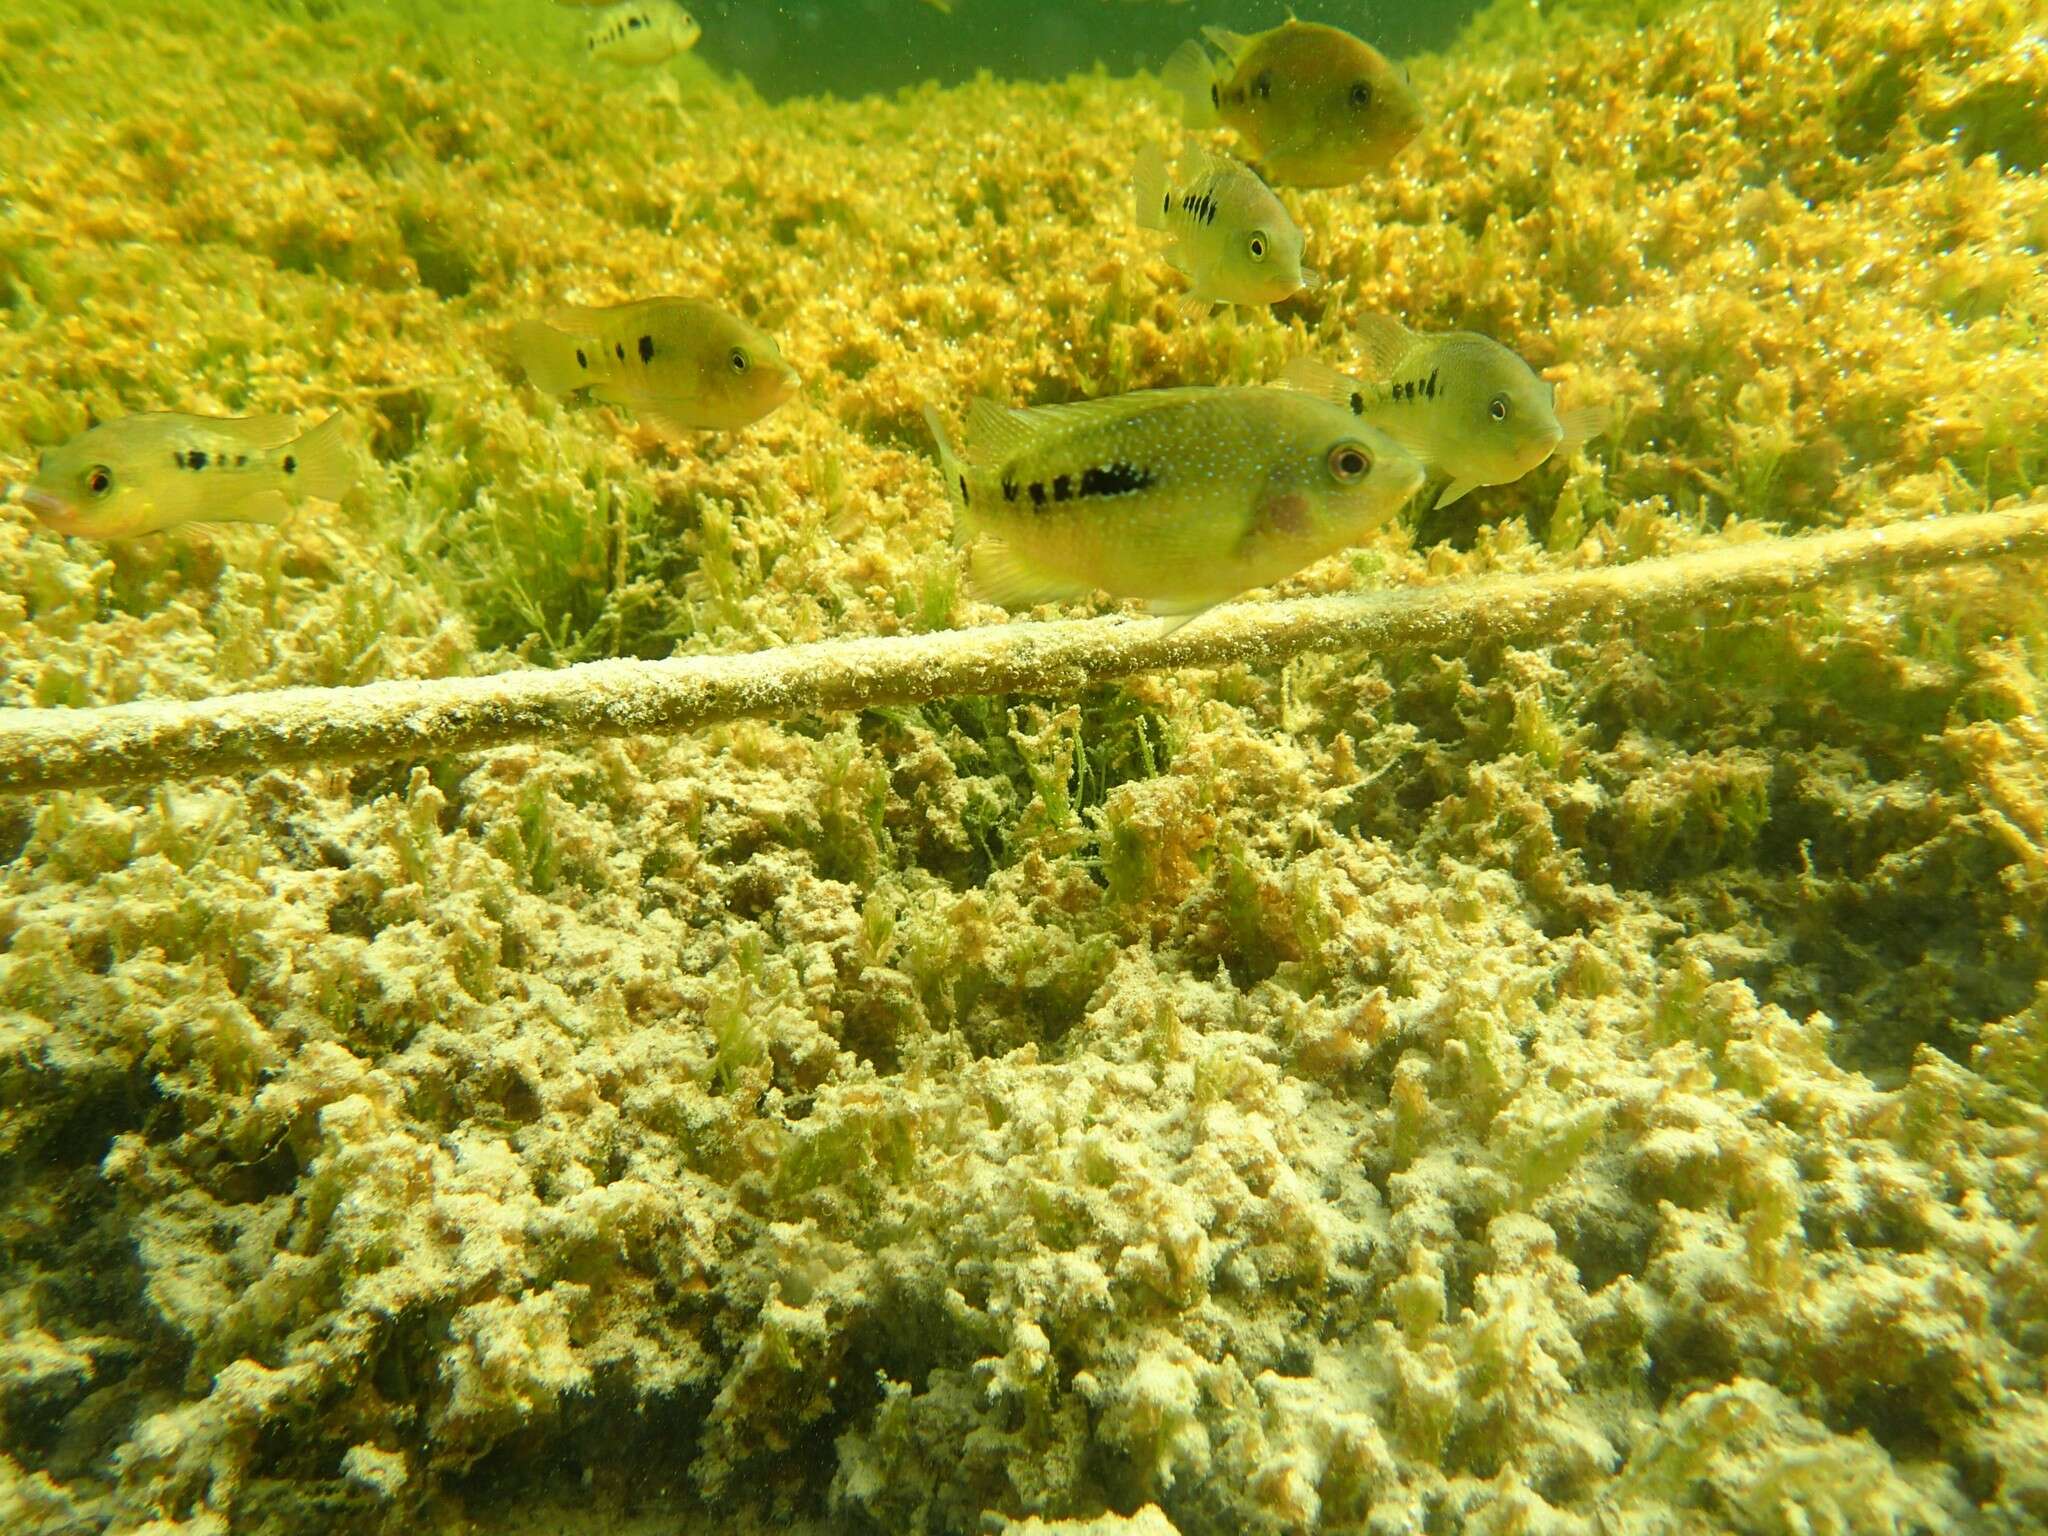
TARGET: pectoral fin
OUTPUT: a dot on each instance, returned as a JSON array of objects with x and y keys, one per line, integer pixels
[
  {"x": 1587, "y": 421},
  {"x": 1457, "y": 490}
]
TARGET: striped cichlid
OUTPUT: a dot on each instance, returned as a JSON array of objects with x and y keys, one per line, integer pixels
[
  {"x": 682, "y": 364},
  {"x": 1180, "y": 498},
  {"x": 642, "y": 32},
  {"x": 1232, "y": 237},
  {"x": 161, "y": 469},
  {"x": 1315, "y": 106},
  {"x": 1465, "y": 405}
]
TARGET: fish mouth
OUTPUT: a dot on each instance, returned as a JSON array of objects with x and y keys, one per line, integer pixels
[
  {"x": 785, "y": 385},
  {"x": 45, "y": 504}
]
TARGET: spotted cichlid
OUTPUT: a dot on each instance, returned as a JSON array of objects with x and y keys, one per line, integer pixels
[
  {"x": 682, "y": 364},
  {"x": 1315, "y": 106},
  {"x": 1231, "y": 236},
  {"x": 642, "y": 32},
  {"x": 1178, "y": 497},
  {"x": 1462, "y": 403},
  {"x": 143, "y": 474}
]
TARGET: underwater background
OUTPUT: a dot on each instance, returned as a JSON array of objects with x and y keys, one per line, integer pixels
[{"x": 1588, "y": 1085}]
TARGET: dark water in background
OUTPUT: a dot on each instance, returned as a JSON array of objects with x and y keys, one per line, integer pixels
[{"x": 853, "y": 47}]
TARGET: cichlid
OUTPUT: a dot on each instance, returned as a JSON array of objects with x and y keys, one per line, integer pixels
[
  {"x": 1231, "y": 236},
  {"x": 142, "y": 474},
  {"x": 1181, "y": 498},
  {"x": 642, "y": 32},
  {"x": 1317, "y": 107},
  {"x": 1462, "y": 403},
  {"x": 680, "y": 363}
]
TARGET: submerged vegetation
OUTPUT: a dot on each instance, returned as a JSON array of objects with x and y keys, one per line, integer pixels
[{"x": 1577, "y": 1086}]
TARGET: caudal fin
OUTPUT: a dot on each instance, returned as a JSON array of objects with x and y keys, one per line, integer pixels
[
  {"x": 549, "y": 357},
  {"x": 954, "y": 473},
  {"x": 1191, "y": 78},
  {"x": 1148, "y": 187},
  {"x": 324, "y": 462}
]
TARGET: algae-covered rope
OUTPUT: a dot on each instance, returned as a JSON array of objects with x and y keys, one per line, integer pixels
[{"x": 128, "y": 743}]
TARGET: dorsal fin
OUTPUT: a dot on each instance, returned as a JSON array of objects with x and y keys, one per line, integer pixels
[
  {"x": 1315, "y": 377},
  {"x": 997, "y": 433},
  {"x": 1231, "y": 44},
  {"x": 264, "y": 431},
  {"x": 1385, "y": 341},
  {"x": 1198, "y": 160}
]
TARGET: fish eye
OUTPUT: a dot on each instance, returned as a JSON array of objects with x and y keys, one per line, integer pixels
[
  {"x": 1497, "y": 408},
  {"x": 99, "y": 480},
  {"x": 1257, "y": 245},
  {"x": 1361, "y": 95},
  {"x": 739, "y": 360},
  {"x": 1349, "y": 462}
]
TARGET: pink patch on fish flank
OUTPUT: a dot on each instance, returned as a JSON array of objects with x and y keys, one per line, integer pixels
[{"x": 1285, "y": 515}]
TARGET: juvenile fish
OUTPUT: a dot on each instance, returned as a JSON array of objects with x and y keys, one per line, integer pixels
[
  {"x": 682, "y": 364},
  {"x": 1462, "y": 403},
  {"x": 1232, "y": 238},
  {"x": 142, "y": 474},
  {"x": 1178, "y": 497},
  {"x": 642, "y": 32},
  {"x": 1315, "y": 106}
]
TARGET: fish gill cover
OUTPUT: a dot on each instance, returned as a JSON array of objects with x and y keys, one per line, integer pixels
[{"x": 1582, "y": 1085}]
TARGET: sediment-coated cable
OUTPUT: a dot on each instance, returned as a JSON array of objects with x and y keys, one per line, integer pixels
[{"x": 43, "y": 749}]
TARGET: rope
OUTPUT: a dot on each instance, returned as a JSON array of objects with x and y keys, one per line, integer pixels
[{"x": 44, "y": 749}]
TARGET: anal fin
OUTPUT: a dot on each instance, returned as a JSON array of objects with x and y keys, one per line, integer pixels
[
  {"x": 1172, "y": 618},
  {"x": 1005, "y": 577}
]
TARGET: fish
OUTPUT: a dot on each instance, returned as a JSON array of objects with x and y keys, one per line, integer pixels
[
  {"x": 1178, "y": 498},
  {"x": 642, "y": 32},
  {"x": 682, "y": 364},
  {"x": 1316, "y": 106},
  {"x": 1462, "y": 403},
  {"x": 1232, "y": 238},
  {"x": 162, "y": 469}
]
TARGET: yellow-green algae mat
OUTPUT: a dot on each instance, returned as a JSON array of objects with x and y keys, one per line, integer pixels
[
  {"x": 1582, "y": 1082},
  {"x": 70, "y": 749}
]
